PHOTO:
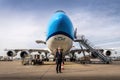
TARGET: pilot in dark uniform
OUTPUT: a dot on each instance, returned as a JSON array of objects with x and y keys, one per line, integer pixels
[{"x": 58, "y": 57}]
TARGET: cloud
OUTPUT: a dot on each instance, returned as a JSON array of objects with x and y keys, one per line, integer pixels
[
  {"x": 20, "y": 30},
  {"x": 22, "y": 22},
  {"x": 99, "y": 28}
]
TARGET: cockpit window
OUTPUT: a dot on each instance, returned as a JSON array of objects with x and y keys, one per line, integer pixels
[{"x": 59, "y": 11}]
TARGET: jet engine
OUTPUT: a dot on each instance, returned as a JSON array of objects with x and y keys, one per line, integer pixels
[
  {"x": 24, "y": 54},
  {"x": 107, "y": 52},
  {"x": 11, "y": 53},
  {"x": 94, "y": 55}
]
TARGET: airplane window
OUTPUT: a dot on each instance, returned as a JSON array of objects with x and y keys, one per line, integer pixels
[{"x": 59, "y": 11}]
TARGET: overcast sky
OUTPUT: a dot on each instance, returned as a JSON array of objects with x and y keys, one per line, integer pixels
[{"x": 24, "y": 21}]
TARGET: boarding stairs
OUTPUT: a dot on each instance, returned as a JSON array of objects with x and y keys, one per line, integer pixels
[{"x": 86, "y": 43}]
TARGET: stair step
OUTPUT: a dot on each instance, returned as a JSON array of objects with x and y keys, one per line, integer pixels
[{"x": 87, "y": 45}]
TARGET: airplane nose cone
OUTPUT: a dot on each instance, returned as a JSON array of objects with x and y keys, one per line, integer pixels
[
  {"x": 60, "y": 24},
  {"x": 60, "y": 17}
]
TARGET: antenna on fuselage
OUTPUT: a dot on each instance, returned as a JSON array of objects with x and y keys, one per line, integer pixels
[{"x": 75, "y": 33}]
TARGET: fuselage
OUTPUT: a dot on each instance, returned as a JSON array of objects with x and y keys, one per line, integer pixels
[{"x": 60, "y": 32}]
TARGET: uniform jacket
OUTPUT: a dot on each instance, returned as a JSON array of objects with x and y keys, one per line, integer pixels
[{"x": 58, "y": 56}]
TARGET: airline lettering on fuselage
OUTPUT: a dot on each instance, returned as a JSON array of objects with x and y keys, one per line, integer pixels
[{"x": 60, "y": 39}]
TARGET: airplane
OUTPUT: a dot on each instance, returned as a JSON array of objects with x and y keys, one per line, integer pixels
[{"x": 60, "y": 33}]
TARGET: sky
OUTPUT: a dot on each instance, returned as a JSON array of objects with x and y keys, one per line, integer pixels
[{"x": 24, "y": 21}]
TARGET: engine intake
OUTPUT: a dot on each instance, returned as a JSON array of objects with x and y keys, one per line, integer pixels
[
  {"x": 94, "y": 55},
  {"x": 11, "y": 53},
  {"x": 108, "y": 53},
  {"x": 24, "y": 54}
]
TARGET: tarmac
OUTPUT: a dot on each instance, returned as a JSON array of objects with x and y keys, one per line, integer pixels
[{"x": 14, "y": 70}]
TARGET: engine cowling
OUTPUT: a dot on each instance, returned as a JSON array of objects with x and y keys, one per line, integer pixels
[
  {"x": 11, "y": 53},
  {"x": 24, "y": 54},
  {"x": 94, "y": 55},
  {"x": 107, "y": 52}
]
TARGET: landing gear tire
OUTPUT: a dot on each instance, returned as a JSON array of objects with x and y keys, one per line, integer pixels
[{"x": 108, "y": 62}]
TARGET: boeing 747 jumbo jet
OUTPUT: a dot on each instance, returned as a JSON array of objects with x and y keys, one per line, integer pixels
[{"x": 60, "y": 33}]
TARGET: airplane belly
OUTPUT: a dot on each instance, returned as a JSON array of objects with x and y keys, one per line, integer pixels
[{"x": 61, "y": 41}]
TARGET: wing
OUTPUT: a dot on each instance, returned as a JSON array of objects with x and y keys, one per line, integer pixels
[
  {"x": 23, "y": 52},
  {"x": 79, "y": 50},
  {"x": 106, "y": 52}
]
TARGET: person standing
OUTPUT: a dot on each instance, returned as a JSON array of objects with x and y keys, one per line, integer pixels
[{"x": 58, "y": 57}]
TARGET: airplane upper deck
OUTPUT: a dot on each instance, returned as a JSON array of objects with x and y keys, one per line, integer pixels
[
  {"x": 60, "y": 11},
  {"x": 60, "y": 24}
]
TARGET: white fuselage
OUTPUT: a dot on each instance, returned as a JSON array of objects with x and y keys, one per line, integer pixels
[{"x": 61, "y": 41}]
